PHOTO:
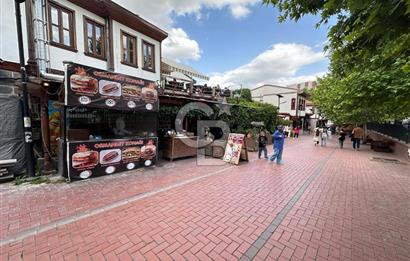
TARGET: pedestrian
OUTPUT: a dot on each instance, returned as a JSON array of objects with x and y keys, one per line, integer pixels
[
  {"x": 316, "y": 136},
  {"x": 286, "y": 131},
  {"x": 297, "y": 130},
  {"x": 329, "y": 133},
  {"x": 323, "y": 137},
  {"x": 279, "y": 139},
  {"x": 262, "y": 142},
  {"x": 357, "y": 135},
  {"x": 342, "y": 137}
]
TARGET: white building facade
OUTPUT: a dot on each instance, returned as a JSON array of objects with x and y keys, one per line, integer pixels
[
  {"x": 291, "y": 102},
  {"x": 99, "y": 34}
]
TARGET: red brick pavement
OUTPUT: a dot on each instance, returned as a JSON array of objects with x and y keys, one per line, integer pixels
[{"x": 355, "y": 209}]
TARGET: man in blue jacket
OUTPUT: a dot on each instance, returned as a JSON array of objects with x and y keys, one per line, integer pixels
[{"x": 278, "y": 141}]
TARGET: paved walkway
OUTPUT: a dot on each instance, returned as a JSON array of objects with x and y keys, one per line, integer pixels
[{"x": 322, "y": 204}]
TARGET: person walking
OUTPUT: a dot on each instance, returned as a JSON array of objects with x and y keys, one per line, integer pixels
[
  {"x": 279, "y": 140},
  {"x": 323, "y": 137},
  {"x": 297, "y": 130},
  {"x": 357, "y": 135},
  {"x": 262, "y": 142},
  {"x": 342, "y": 137},
  {"x": 316, "y": 136}
]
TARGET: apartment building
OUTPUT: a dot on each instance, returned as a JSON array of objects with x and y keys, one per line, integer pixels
[{"x": 96, "y": 33}]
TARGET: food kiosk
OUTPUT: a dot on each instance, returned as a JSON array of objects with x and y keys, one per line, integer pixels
[{"x": 110, "y": 122}]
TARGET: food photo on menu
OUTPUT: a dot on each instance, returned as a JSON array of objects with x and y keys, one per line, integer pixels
[
  {"x": 81, "y": 82},
  {"x": 84, "y": 158},
  {"x": 110, "y": 156},
  {"x": 109, "y": 88},
  {"x": 150, "y": 94},
  {"x": 131, "y": 154},
  {"x": 149, "y": 151},
  {"x": 131, "y": 91}
]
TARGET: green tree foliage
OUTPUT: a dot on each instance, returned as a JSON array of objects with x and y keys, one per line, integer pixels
[
  {"x": 369, "y": 48},
  {"x": 246, "y": 94},
  {"x": 241, "y": 114}
]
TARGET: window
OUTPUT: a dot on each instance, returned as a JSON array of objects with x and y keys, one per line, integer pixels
[
  {"x": 148, "y": 53},
  {"x": 293, "y": 104},
  {"x": 129, "y": 49},
  {"x": 61, "y": 26},
  {"x": 94, "y": 38}
]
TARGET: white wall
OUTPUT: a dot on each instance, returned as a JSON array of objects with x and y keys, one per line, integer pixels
[
  {"x": 268, "y": 93},
  {"x": 129, "y": 70},
  {"x": 58, "y": 55},
  {"x": 8, "y": 31}
]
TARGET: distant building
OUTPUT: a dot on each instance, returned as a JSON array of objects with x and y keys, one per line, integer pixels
[
  {"x": 291, "y": 102},
  {"x": 304, "y": 85},
  {"x": 171, "y": 68}
]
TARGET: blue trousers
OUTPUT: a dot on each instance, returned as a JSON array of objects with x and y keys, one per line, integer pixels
[
  {"x": 277, "y": 154},
  {"x": 265, "y": 152},
  {"x": 356, "y": 143}
]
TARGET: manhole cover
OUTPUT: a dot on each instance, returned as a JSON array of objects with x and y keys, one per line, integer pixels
[{"x": 386, "y": 160}]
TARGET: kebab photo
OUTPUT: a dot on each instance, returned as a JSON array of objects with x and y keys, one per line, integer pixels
[
  {"x": 82, "y": 83},
  {"x": 110, "y": 156},
  {"x": 150, "y": 94},
  {"x": 85, "y": 159},
  {"x": 148, "y": 152},
  {"x": 131, "y": 153},
  {"x": 109, "y": 88},
  {"x": 131, "y": 91}
]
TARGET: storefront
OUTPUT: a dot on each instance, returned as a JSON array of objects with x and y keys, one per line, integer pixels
[{"x": 109, "y": 122}]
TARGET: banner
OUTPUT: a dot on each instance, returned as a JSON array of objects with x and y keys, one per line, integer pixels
[
  {"x": 87, "y": 159},
  {"x": 234, "y": 148},
  {"x": 91, "y": 87}
]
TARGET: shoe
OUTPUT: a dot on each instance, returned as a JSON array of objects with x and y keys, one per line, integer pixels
[{"x": 266, "y": 158}]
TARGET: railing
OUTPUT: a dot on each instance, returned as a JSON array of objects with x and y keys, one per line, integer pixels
[
  {"x": 181, "y": 88},
  {"x": 398, "y": 131}
]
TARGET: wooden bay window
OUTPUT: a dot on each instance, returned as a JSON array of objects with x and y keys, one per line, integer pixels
[
  {"x": 94, "y": 38},
  {"x": 61, "y": 26},
  {"x": 148, "y": 56},
  {"x": 128, "y": 49}
]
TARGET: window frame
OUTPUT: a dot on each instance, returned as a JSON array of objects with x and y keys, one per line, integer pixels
[
  {"x": 143, "y": 56},
  {"x": 293, "y": 104},
  {"x": 122, "y": 34},
  {"x": 95, "y": 23},
  {"x": 73, "y": 39}
]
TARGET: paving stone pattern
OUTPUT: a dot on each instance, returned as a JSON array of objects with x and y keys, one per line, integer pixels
[{"x": 332, "y": 205}]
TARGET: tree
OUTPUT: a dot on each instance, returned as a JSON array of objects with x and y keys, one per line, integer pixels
[
  {"x": 369, "y": 47},
  {"x": 246, "y": 94}
]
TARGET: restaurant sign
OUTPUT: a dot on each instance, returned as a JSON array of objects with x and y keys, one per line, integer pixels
[
  {"x": 233, "y": 148},
  {"x": 91, "y": 87},
  {"x": 103, "y": 157}
]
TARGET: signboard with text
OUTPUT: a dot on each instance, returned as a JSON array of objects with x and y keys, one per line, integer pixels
[
  {"x": 234, "y": 148},
  {"x": 91, "y": 87},
  {"x": 87, "y": 159}
]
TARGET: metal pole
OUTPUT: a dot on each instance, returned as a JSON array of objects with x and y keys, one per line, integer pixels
[{"x": 28, "y": 142}]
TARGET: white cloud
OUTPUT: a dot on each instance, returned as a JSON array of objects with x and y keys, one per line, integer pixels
[
  {"x": 240, "y": 11},
  {"x": 179, "y": 47},
  {"x": 278, "y": 65},
  {"x": 161, "y": 12}
]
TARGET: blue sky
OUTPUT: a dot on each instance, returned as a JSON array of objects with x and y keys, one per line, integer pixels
[
  {"x": 227, "y": 42},
  {"x": 237, "y": 41}
]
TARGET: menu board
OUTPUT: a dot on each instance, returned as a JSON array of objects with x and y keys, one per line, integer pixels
[
  {"x": 88, "y": 159},
  {"x": 91, "y": 87},
  {"x": 233, "y": 148}
]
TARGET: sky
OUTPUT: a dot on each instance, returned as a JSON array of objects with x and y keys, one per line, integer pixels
[{"x": 237, "y": 42}]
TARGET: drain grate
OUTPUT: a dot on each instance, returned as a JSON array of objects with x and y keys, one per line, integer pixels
[{"x": 386, "y": 160}]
